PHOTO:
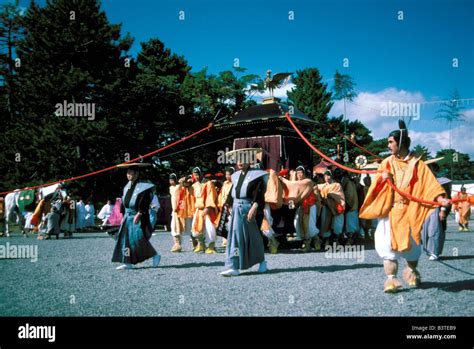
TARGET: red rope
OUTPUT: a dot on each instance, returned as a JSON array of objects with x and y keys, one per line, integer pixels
[
  {"x": 114, "y": 166},
  {"x": 349, "y": 169}
]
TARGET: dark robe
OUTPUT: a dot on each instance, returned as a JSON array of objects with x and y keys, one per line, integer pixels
[
  {"x": 244, "y": 242},
  {"x": 133, "y": 245}
]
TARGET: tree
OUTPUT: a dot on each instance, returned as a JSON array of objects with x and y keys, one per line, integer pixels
[
  {"x": 158, "y": 108},
  {"x": 358, "y": 134},
  {"x": 310, "y": 94},
  {"x": 379, "y": 147},
  {"x": 423, "y": 151},
  {"x": 156, "y": 95},
  {"x": 461, "y": 162},
  {"x": 210, "y": 98},
  {"x": 70, "y": 52},
  {"x": 235, "y": 88},
  {"x": 344, "y": 89},
  {"x": 219, "y": 96},
  {"x": 450, "y": 111},
  {"x": 11, "y": 30}
]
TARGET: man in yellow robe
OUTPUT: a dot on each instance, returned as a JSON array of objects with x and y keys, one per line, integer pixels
[
  {"x": 351, "y": 215},
  {"x": 273, "y": 201},
  {"x": 205, "y": 205},
  {"x": 177, "y": 223},
  {"x": 398, "y": 233},
  {"x": 186, "y": 206},
  {"x": 464, "y": 209}
]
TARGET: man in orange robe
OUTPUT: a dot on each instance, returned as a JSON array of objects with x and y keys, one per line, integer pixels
[
  {"x": 398, "y": 232},
  {"x": 464, "y": 209},
  {"x": 351, "y": 215},
  {"x": 273, "y": 201},
  {"x": 205, "y": 205},
  {"x": 177, "y": 223},
  {"x": 186, "y": 205}
]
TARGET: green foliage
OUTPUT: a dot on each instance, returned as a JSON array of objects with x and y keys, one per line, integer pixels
[
  {"x": 77, "y": 60},
  {"x": 422, "y": 150},
  {"x": 310, "y": 94},
  {"x": 344, "y": 87},
  {"x": 11, "y": 30},
  {"x": 462, "y": 165},
  {"x": 450, "y": 111}
]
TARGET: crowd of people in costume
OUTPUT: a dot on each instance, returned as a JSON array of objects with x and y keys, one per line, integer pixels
[
  {"x": 252, "y": 205},
  {"x": 56, "y": 213},
  {"x": 292, "y": 204},
  {"x": 249, "y": 207}
]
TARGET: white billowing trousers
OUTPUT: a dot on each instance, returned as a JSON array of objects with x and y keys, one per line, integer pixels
[
  {"x": 268, "y": 216},
  {"x": 383, "y": 244},
  {"x": 312, "y": 229},
  {"x": 209, "y": 229}
]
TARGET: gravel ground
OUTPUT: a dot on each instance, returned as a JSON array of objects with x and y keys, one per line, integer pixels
[{"x": 74, "y": 277}]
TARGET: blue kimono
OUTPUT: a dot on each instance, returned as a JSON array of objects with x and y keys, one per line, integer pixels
[
  {"x": 434, "y": 229},
  {"x": 434, "y": 233},
  {"x": 244, "y": 242},
  {"x": 133, "y": 245}
]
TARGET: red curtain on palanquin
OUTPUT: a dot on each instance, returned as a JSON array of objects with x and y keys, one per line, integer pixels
[{"x": 272, "y": 150}]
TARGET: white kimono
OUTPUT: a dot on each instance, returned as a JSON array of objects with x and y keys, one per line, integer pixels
[{"x": 105, "y": 213}]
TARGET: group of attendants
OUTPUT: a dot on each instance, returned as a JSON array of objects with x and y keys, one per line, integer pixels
[
  {"x": 320, "y": 212},
  {"x": 252, "y": 204},
  {"x": 316, "y": 209},
  {"x": 66, "y": 216}
]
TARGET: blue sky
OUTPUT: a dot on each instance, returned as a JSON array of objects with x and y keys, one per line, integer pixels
[
  {"x": 407, "y": 60},
  {"x": 414, "y": 54}
]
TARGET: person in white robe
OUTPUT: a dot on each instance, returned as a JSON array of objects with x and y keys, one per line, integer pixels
[{"x": 105, "y": 212}]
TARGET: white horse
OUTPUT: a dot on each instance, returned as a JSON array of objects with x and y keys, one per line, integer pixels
[{"x": 12, "y": 212}]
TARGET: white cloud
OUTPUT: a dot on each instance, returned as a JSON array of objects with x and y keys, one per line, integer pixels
[
  {"x": 468, "y": 116},
  {"x": 279, "y": 92},
  {"x": 461, "y": 139},
  {"x": 367, "y": 107}
]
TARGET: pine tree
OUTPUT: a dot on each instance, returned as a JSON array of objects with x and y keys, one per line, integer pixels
[
  {"x": 11, "y": 30},
  {"x": 310, "y": 94},
  {"x": 344, "y": 90},
  {"x": 456, "y": 162},
  {"x": 421, "y": 151},
  {"x": 450, "y": 111},
  {"x": 70, "y": 52}
]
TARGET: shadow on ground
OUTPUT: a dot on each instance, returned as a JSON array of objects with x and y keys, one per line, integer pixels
[
  {"x": 320, "y": 269},
  {"x": 456, "y": 286},
  {"x": 448, "y": 258}
]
